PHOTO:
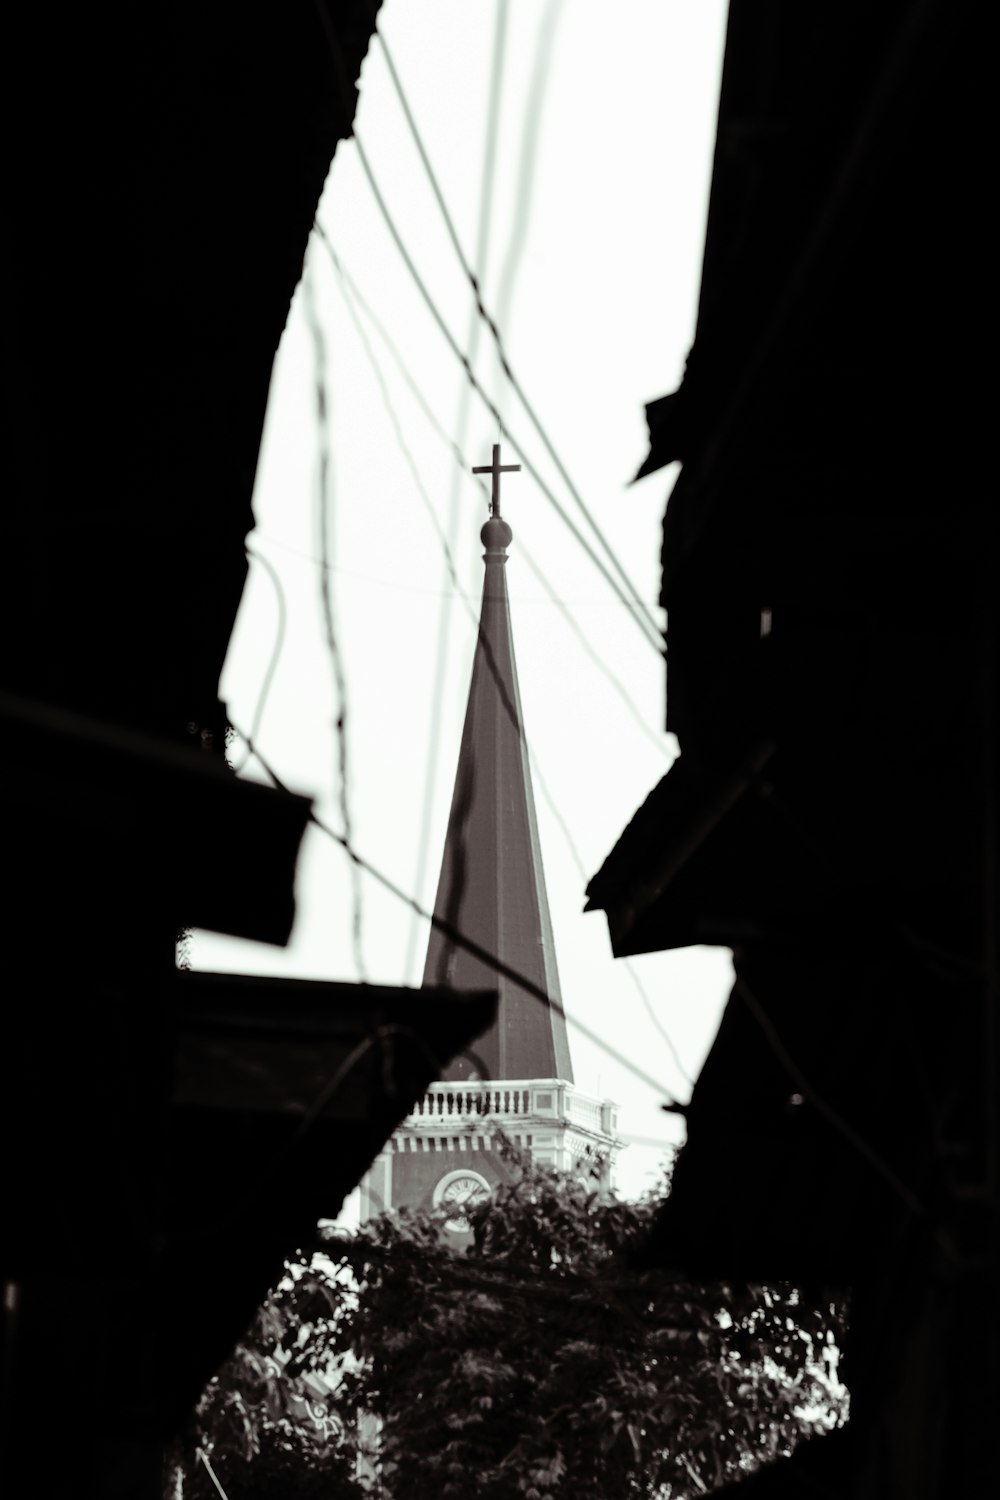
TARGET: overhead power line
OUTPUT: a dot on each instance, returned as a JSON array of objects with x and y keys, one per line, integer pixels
[
  {"x": 327, "y": 565},
  {"x": 279, "y": 641},
  {"x": 353, "y": 294},
  {"x": 640, "y": 615},
  {"x": 490, "y": 322},
  {"x": 460, "y": 939},
  {"x": 528, "y": 158},
  {"x": 664, "y": 1033},
  {"x": 582, "y": 872},
  {"x": 635, "y": 606},
  {"x": 356, "y": 295},
  {"x": 543, "y": 785},
  {"x": 607, "y": 672},
  {"x": 262, "y": 538},
  {"x": 326, "y": 598},
  {"x": 498, "y": 52},
  {"x": 404, "y": 447},
  {"x": 536, "y": 770},
  {"x": 259, "y": 713},
  {"x": 540, "y": 778}
]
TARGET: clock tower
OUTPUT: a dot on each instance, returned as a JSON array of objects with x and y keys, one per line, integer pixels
[{"x": 518, "y": 1080}]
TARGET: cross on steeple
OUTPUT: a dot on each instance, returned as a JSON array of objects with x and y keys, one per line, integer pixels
[{"x": 496, "y": 468}]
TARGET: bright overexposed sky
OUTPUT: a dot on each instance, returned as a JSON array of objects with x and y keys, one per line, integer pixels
[{"x": 593, "y": 260}]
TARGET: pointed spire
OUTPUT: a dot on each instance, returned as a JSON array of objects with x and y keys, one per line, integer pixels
[{"x": 492, "y": 885}]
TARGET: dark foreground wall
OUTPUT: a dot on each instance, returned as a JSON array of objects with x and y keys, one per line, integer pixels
[
  {"x": 829, "y": 575},
  {"x": 165, "y": 165}
]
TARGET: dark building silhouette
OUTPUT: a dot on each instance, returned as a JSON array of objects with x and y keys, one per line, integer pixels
[
  {"x": 167, "y": 1137},
  {"x": 830, "y": 579}
]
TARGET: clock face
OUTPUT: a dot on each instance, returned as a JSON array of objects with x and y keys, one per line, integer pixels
[{"x": 459, "y": 1191}]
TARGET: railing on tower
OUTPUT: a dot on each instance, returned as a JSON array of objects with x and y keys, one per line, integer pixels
[
  {"x": 444, "y": 1099},
  {"x": 520, "y": 1099}
]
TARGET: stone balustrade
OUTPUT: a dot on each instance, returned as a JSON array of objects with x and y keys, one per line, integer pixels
[
  {"x": 449, "y": 1100},
  {"x": 514, "y": 1100}
]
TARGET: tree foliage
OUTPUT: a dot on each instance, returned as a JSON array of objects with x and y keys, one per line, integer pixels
[
  {"x": 535, "y": 1365},
  {"x": 266, "y": 1423}
]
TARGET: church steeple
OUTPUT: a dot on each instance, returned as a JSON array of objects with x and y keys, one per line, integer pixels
[
  {"x": 492, "y": 885},
  {"x": 519, "y": 1083}
]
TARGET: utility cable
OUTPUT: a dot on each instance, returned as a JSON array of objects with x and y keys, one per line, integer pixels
[
  {"x": 490, "y": 322},
  {"x": 642, "y": 619},
  {"x": 639, "y": 613},
  {"x": 664, "y": 1033},
  {"x": 263, "y": 539},
  {"x": 528, "y": 159},
  {"x": 498, "y": 52},
  {"x": 276, "y": 649},
  {"x": 354, "y": 293},
  {"x": 461, "y": 940},
  {"x": 537, "y": 773},
  {"x": 582, "y": 872},
  {"x": 326, "y": 597},
  {"x": 452, "y": 572},
  {"x": 404, "y": 448},
  {"x": 350, "y": 287},
  {"x": 449, "y": 561},
  {"x": 488, "y": 654},
  {"x": 606, "y": 672},
  {"x": 282, "y": 621}
]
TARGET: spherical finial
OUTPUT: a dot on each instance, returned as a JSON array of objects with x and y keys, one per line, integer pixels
[{"x": 496, "y": 535}]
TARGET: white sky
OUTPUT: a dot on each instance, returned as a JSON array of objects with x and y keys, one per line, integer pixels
[{"x": 599, "y": 321}]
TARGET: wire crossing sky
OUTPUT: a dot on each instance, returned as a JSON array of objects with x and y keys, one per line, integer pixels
[{"x": 598, "y": 176}]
